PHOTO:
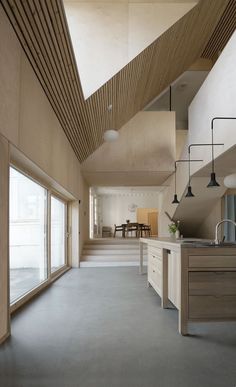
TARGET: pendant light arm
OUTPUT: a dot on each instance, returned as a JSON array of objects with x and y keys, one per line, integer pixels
[
  {"x": 184, "y": 161},
  {"x": 212, "y": 138},
  {"x": 199, "y": 145}
]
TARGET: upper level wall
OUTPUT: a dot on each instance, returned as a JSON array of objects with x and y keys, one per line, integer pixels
[
  {"x": 108, "y": 35},
  {"x": 216, "y": 97},
  {"x": 144, "y": 153}
]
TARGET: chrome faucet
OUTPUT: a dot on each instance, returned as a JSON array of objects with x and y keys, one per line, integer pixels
[{"x": 217, "y": 241}]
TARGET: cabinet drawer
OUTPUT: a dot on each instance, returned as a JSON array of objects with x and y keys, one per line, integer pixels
[
  {"x": 155, "y": 251},
  {"x": 156, "y": 264},
  {"x": 212, "y": 307},
  {"x": 155, "y": 275},
  {"x": 212, "y": 283},
  {"x": 212, "y": 261}
]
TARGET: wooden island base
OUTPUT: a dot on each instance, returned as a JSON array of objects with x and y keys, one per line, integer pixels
[{"x": 199, "y": 281}]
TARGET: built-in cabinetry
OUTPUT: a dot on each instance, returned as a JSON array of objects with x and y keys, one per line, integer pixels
[
  {"x": 199, "y": 281},
  {"x": 211, "y": 287},
  {"x": 155, "y": 275}
]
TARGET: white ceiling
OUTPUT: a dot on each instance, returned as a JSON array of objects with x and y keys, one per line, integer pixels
[{"x": 128, "y": 190}]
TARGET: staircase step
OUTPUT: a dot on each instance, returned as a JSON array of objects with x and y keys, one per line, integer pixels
[
  {"x": 109, "y": 264},
  {"x": 105, "y": 241},
  {"x": 110, "y": 252},
  {"x": 111, "y": 246},
  {"x": 108, "y": 258}
]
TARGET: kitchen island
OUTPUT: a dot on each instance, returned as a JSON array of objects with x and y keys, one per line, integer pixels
[{"x": 198, "y": 278}]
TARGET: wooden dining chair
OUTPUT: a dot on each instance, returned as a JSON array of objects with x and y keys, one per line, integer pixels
[
  {"x": 132, "y": 227},
  {"x": 146, "y": 229},
  {"x": 117, "y": 228}
]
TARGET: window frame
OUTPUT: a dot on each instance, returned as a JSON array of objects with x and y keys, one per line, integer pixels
[
  {"x": 51, "y": 276},
  {"x": 59, "y": 198}
]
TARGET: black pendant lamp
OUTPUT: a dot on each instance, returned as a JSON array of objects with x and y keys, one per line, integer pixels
[
  {"x": 189, "y": 193},
  {"x": 213, "y": 182},
  {"x": 175, "y": 200}
]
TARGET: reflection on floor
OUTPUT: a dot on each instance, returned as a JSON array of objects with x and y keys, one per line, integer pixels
[
  {"x": 102, "y": 327},
  {"x": 23, "y": 280}
]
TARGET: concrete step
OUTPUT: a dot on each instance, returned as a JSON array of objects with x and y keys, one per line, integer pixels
[
  {"x": 110, "y": 252},
  {"x": 110, "y": 246},
  {"x": 109, "y": 258},
  {"x": 109, "y": 264},
  {"x": 121, "y": 241}
]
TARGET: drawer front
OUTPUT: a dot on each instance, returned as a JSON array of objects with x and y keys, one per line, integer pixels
[
  {"x": 155, "y": 251},
  {"x": 212, "y": 261},
  {"x": 156, "y": 264},
  {"x": 212, "y": 307},
  {"x": 213, "y": 283},
  {"x": 154, "y": 273}
]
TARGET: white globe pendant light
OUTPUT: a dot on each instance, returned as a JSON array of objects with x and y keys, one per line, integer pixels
[
  {"x": 230, "y": 181},
  {"x": 110, "y": 135}
]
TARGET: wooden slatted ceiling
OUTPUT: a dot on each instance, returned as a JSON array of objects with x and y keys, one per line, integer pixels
[
  {"x": 224, "y": 30},
  {"x": 43, "y": 32}
]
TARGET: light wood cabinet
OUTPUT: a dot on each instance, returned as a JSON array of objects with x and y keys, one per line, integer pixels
[
  {"x": 212, "y": 283},
  {"x": 155, "y": 259},
  {"x": 199, "y": 281},
  {"x": 212, "y": 307},
  {"x": 174, "y": 278}
]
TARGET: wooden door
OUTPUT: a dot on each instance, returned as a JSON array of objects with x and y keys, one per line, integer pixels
[
  {"x": 148, "y": 216},
  {"x": 152, "y": 220}
]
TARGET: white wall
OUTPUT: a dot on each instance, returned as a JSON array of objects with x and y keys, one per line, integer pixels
[
  {"x": 216, "y": 97},
  {"x": 207, "y": 228},
  {"x": 107, "y": 35},
  {"x": 115, "y": 208}
]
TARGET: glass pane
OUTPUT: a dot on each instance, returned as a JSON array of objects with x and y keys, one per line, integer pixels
[
  {"x": 28, "y": 249},
  {"x": 58, "y": 256}
]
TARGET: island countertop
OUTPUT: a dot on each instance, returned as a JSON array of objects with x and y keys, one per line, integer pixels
[
  {"x": 186, "y": 242},
  {"x": 195, "y": 275}
]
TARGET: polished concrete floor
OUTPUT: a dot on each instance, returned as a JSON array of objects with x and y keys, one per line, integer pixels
[
  {"x": 102, "y": 327},
  {"x": 22, "y": 281}
]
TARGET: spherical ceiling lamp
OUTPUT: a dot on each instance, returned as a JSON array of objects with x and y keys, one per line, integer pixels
[
  {"x": 111, "y": 135},
  {"x": 230, "y": 181}
]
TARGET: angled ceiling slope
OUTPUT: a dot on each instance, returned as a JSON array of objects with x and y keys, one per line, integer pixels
[{"x": 43, "y": 32}]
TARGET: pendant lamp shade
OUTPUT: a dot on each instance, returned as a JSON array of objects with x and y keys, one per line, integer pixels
[{"x": 111, "y": 135}]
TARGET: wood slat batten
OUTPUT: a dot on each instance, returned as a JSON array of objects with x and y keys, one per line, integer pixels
[
  {"x": 222, "y": 33},
  {"x": 45, "y": 83},
  {"x": 25, "y": 19},
  {"x": 148, "y": 74},
  {"x": 42, "y": 29}
]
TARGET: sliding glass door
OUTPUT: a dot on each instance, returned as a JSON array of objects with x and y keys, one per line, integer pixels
[
  {"x": 58, "y": 233},
  {"x": 28, "y": 234}
]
